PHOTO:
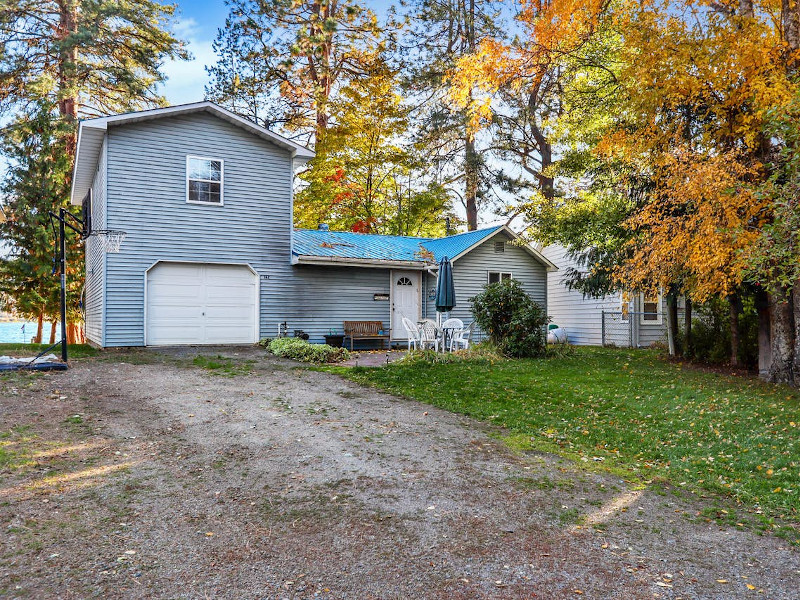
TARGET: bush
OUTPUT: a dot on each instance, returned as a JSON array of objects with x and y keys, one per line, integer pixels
[
  {"x": 711, "y": 332},
  {"x": 299, "y": 349},
  {"x": 514, "y": 322}
]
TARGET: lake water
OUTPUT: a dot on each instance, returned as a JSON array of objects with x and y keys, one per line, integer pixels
[{"x": 12, "y": 333}]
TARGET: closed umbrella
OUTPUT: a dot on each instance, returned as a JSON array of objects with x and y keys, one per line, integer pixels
[{"x": 445, "y": 289}]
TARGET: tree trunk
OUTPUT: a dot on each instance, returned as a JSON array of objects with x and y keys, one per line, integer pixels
[
  {"x": 782, "y": 338},
  {"x": 672, "y": 324},
  {"x": 687, "y": 329},
  {"x": 796, "y": 311},
  {"x": 53, "y": 324},
  {"x": 735, "y": 308},
  {"x": 764, "y": 341},
  {"x": 471, "y": 179},
  {"x": 39, "y": 329},
  {"x": 791, "y": 26},
  {"x": 67, "y": 64}
]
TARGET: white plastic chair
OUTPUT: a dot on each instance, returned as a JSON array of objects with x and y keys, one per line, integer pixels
[
  {"x": 450, "y": 329},
  {"x": 413, "y": 333},
  {"x": 462, "y": 338},
  {"x": 428, "y": 335}
]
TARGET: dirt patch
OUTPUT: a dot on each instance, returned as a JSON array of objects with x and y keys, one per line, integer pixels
[{"x": 152, "y": 475}]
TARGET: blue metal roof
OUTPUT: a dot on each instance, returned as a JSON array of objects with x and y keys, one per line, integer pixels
[
  {"x": 453, "y": 245},
  {"x": 364, "y": 246}
]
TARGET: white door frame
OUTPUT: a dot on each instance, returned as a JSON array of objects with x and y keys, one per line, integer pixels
[
  {"x": 393, "y": 274},
  {"x": 257, "y": 310}
]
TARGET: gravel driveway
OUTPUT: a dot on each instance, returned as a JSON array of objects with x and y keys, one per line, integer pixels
[{"x": 141, "y": 475}]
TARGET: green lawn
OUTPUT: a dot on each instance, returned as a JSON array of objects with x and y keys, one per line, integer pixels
[
  {"x": 732, "y": 438},
  {"x": 73, "y": 350}
]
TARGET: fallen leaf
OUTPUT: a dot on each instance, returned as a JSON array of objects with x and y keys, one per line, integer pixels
[
  {"x": 750, "y": 586},
  {"x": 722, "y": 581}
]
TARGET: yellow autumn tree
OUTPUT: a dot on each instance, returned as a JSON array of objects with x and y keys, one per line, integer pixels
[{"x": 695, "y": 83}]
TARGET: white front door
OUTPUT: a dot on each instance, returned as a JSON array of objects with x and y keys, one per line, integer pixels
[
  {"x": 192, "y": 303},
  {"x": 405, "y": 301}
]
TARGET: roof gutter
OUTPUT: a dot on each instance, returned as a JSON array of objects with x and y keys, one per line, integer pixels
[{"x": 368, "y": 263}]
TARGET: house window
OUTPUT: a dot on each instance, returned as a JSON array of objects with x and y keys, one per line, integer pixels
[
  {"x": 497, "y": 277},
  {"x": 651, "y": 309},
  {"x": 499, "y": 247},
  {"x": 404, "y": 281},
  {"x": 203, "y": 180}
]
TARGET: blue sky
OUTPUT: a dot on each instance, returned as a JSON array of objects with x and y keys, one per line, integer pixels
[{"x": 197, "y": 23}]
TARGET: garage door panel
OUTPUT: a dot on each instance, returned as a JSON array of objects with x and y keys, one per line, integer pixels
[
  {"x": 174, "y": 312},
  {"x": 228, "y": 335},
  {"x": 167, "y": 272},
  {"x": 230, "y": 295},
  {"x": 191, "y": 303}
]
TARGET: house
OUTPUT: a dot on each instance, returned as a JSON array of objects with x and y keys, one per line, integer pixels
[
  {"x": 619, "y": 319},
  {"x": 210, "y": 255}
]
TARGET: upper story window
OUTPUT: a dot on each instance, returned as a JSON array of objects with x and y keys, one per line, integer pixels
[
  {"x": 203, "y": 180},
  {"x": 496, "y": 277}
]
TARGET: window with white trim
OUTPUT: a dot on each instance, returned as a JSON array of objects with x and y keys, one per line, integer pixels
[
  {"x": 651, "y": 309},
  {"x": 204, "y": 180},
  {"x": 497, "y": 277}
]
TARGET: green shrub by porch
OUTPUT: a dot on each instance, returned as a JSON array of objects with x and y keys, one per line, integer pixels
[
  {"x": 514, "y": 322},
  {"x": 299, "y": 349}
]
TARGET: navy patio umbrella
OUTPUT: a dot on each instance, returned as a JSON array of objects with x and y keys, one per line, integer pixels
[{"x": 445, "y": 289}]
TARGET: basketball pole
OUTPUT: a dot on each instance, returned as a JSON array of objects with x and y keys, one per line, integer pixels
[{"x": 62, "y": 216}]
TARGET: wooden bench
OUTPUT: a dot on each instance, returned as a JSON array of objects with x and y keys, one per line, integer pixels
[{"x": 364, "y": 330}]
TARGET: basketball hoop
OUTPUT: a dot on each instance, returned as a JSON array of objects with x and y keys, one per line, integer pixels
[{"x": 110, "y": 239}]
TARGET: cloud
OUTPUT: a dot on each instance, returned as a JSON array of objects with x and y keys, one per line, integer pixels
[{"x": 186, "y": 80}]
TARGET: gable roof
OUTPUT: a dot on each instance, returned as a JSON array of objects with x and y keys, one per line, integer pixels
[
  {"x": 314, "y": 246},
  {"x": 92, "y": 131}
]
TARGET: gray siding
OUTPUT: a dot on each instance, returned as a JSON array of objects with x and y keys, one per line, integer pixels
[
  {"x": 582, "y": 317},
  {"x": 328, "y": 296},
  {"x": 471, "y": 272},
  {"x": 96, "y": 258},
  {"x": 147, "y": 199}
]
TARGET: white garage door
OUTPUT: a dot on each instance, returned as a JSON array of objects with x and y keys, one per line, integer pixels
[{"x": 201, "y": 304}]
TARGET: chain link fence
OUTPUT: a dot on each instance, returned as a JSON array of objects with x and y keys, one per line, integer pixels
[
  {"x": 634, "y": 329},
  {"x": 618, "y": 329}
]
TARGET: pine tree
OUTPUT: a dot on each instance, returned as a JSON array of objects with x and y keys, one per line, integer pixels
[
  {"x": 443, "y": 32},
  {"x": 282, "y": 62},
  {"x": 35, "y": 183}
]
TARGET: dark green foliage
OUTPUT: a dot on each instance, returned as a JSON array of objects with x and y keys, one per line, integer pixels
[
  {"x": 711, "y": 333},
  {"x": 511, "y": 318},
  {"x": 36, "y": 182},
  {"x": 528, "y": 336}
]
